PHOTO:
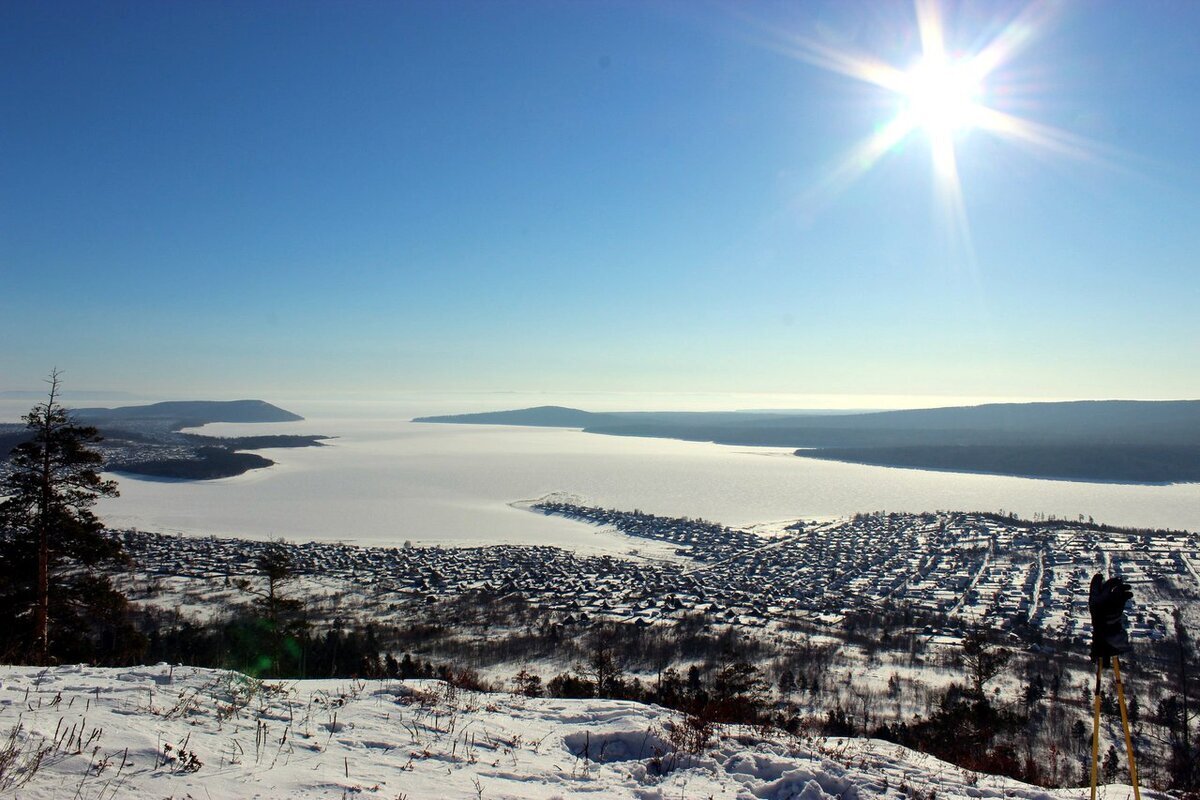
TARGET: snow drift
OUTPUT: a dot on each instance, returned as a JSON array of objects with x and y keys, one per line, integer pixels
[{"x": 179, "y": 732}]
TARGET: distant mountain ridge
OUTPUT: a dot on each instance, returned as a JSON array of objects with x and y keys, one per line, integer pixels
[
  {"x": 1139, "y": 441},
  {"x": 194, "y": 412},
  {"x": 1131, "y": 421}
]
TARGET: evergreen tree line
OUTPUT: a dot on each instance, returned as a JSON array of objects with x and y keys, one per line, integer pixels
[{"x": 60, "y": 607}]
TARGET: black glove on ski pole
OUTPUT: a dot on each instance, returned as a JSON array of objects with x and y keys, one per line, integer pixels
[{"x": 1106, "y": 602}]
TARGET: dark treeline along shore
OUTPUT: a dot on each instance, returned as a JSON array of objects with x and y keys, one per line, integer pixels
[
  {"x": 1120, "y": 441},
  {"x": 148, "y": 440}
]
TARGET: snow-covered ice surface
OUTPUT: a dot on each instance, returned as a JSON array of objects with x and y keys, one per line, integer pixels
[
  {"x": 159, "y": 732},
  {"x": 385, "y": 481}
]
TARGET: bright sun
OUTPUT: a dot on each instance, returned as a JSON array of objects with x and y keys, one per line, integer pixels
[
  {"x": 944, "y": 95},
  {"x": 941, "y": 97}
]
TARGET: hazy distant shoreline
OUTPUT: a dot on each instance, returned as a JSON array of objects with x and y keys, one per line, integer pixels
[
  {"x": 1154, "y": 443},
  {"x": 928, "y": 467}
]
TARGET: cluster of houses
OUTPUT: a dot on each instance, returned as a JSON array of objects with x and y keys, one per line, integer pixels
[
  {"x": 693, "y": 538},
  {"x": 972, "y": 568},
  {"x": 967, "y": 568}
]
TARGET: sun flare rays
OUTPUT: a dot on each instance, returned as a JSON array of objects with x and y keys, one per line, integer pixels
[{"x": 944, "y": 95}]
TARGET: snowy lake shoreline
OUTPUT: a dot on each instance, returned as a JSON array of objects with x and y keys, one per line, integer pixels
[{"x": 387, "y": 481}]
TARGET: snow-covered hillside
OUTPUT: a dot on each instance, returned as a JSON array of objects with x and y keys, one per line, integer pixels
[{"x": 163, "y": 732}]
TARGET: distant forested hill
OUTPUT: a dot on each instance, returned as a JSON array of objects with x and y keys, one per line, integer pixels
[
  {"x": 192, "y": 412},
  {"x": 147, "y": 441},
  {"x": 1104, "y": 440},
  {"x": 1116, "y": 463}
]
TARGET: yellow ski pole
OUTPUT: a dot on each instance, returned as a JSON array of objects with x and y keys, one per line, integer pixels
[
  {"x": 1106, "y": 604},
  {"x": 1137, "y": 793},
  {"x": 1096, "y": 731}
]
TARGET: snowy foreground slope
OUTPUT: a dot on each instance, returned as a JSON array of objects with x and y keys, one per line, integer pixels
[{"x": 163, "y": 732}]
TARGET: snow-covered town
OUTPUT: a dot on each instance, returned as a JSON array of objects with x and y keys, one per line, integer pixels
[
  {"x": 787, "y": 601},
  {"x": 951, "y": 569}
]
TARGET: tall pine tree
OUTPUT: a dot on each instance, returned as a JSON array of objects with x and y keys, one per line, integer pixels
[{"x": 51, "y": 546}]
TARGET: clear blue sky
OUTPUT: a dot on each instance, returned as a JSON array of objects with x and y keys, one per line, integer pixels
[{"x": 251, "y": 198}]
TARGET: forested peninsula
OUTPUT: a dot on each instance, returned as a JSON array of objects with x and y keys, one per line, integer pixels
[
  {"x": 1112, "y": 441},
  {"x": 147, "y": 441}
]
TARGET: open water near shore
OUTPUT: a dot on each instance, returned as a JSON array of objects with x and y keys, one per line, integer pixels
[{"x": 387, "y": 480}]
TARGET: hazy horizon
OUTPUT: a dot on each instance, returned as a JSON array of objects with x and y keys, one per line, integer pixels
[{"x": 14, "y": 402}]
